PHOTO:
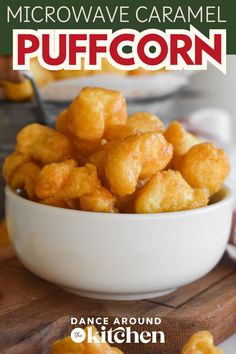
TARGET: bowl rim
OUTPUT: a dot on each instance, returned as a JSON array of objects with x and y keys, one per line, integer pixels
[{"x": 228, "y": 198}]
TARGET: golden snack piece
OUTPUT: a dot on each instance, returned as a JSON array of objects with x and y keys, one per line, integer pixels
[
  {"x": 52, "y": 178},
  {"x": 140, "y": 155},
  {"x": 142, "y": 122},
  {"x": 94, "y": 111},
  {"x": 4, "y": 238},
  {"x": 82, "y": 180},
  {"x": 98, "y": 158},
  {"x": 64, "y": 181},
  {"x": 12, "y": 163},
  {"x": 26, "y": 177},
  {"x": 61, "y": 123},
  {"x": 17, "y": 91},
  {"x": 150, "y": 145},
  {"x": 181, "y": 140},
  {"x": 67, "y": 346},
  {"x": 44, "y": 144},
  {"x": 119, "y": 131},
  {"x": 100, "y": 200},
  {"x": 156, "y": 153},
  {"x": 201, "y": 343},
  {"x": 84, "y": 148},
  {"x": 100, "y": 347},
  {"x": 145, "y": 122},
  {"x": 23, "y": 90},
  {"x": 167, "y": 191},
  {"x": 123, "y": 166},
  {"x": 205, "y": 166}
]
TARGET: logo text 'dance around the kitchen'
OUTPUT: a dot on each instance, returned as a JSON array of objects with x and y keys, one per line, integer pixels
[{"x": 119, "y": 331}]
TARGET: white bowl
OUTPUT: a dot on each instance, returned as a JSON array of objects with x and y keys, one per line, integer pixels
[
  {"x": 133, "y": 87},
  {"x": 118, "y": 256}
]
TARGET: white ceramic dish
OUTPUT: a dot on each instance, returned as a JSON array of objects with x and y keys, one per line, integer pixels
[
  {"x": 133, "y": 87},
  {"x": 118, "y": 256}
]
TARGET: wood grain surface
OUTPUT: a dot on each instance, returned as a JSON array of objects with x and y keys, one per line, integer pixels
[{"x": 33, "y": 312}]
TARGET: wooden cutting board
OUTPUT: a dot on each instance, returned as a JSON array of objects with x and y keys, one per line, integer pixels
[{"x": 33, "y": 312}]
